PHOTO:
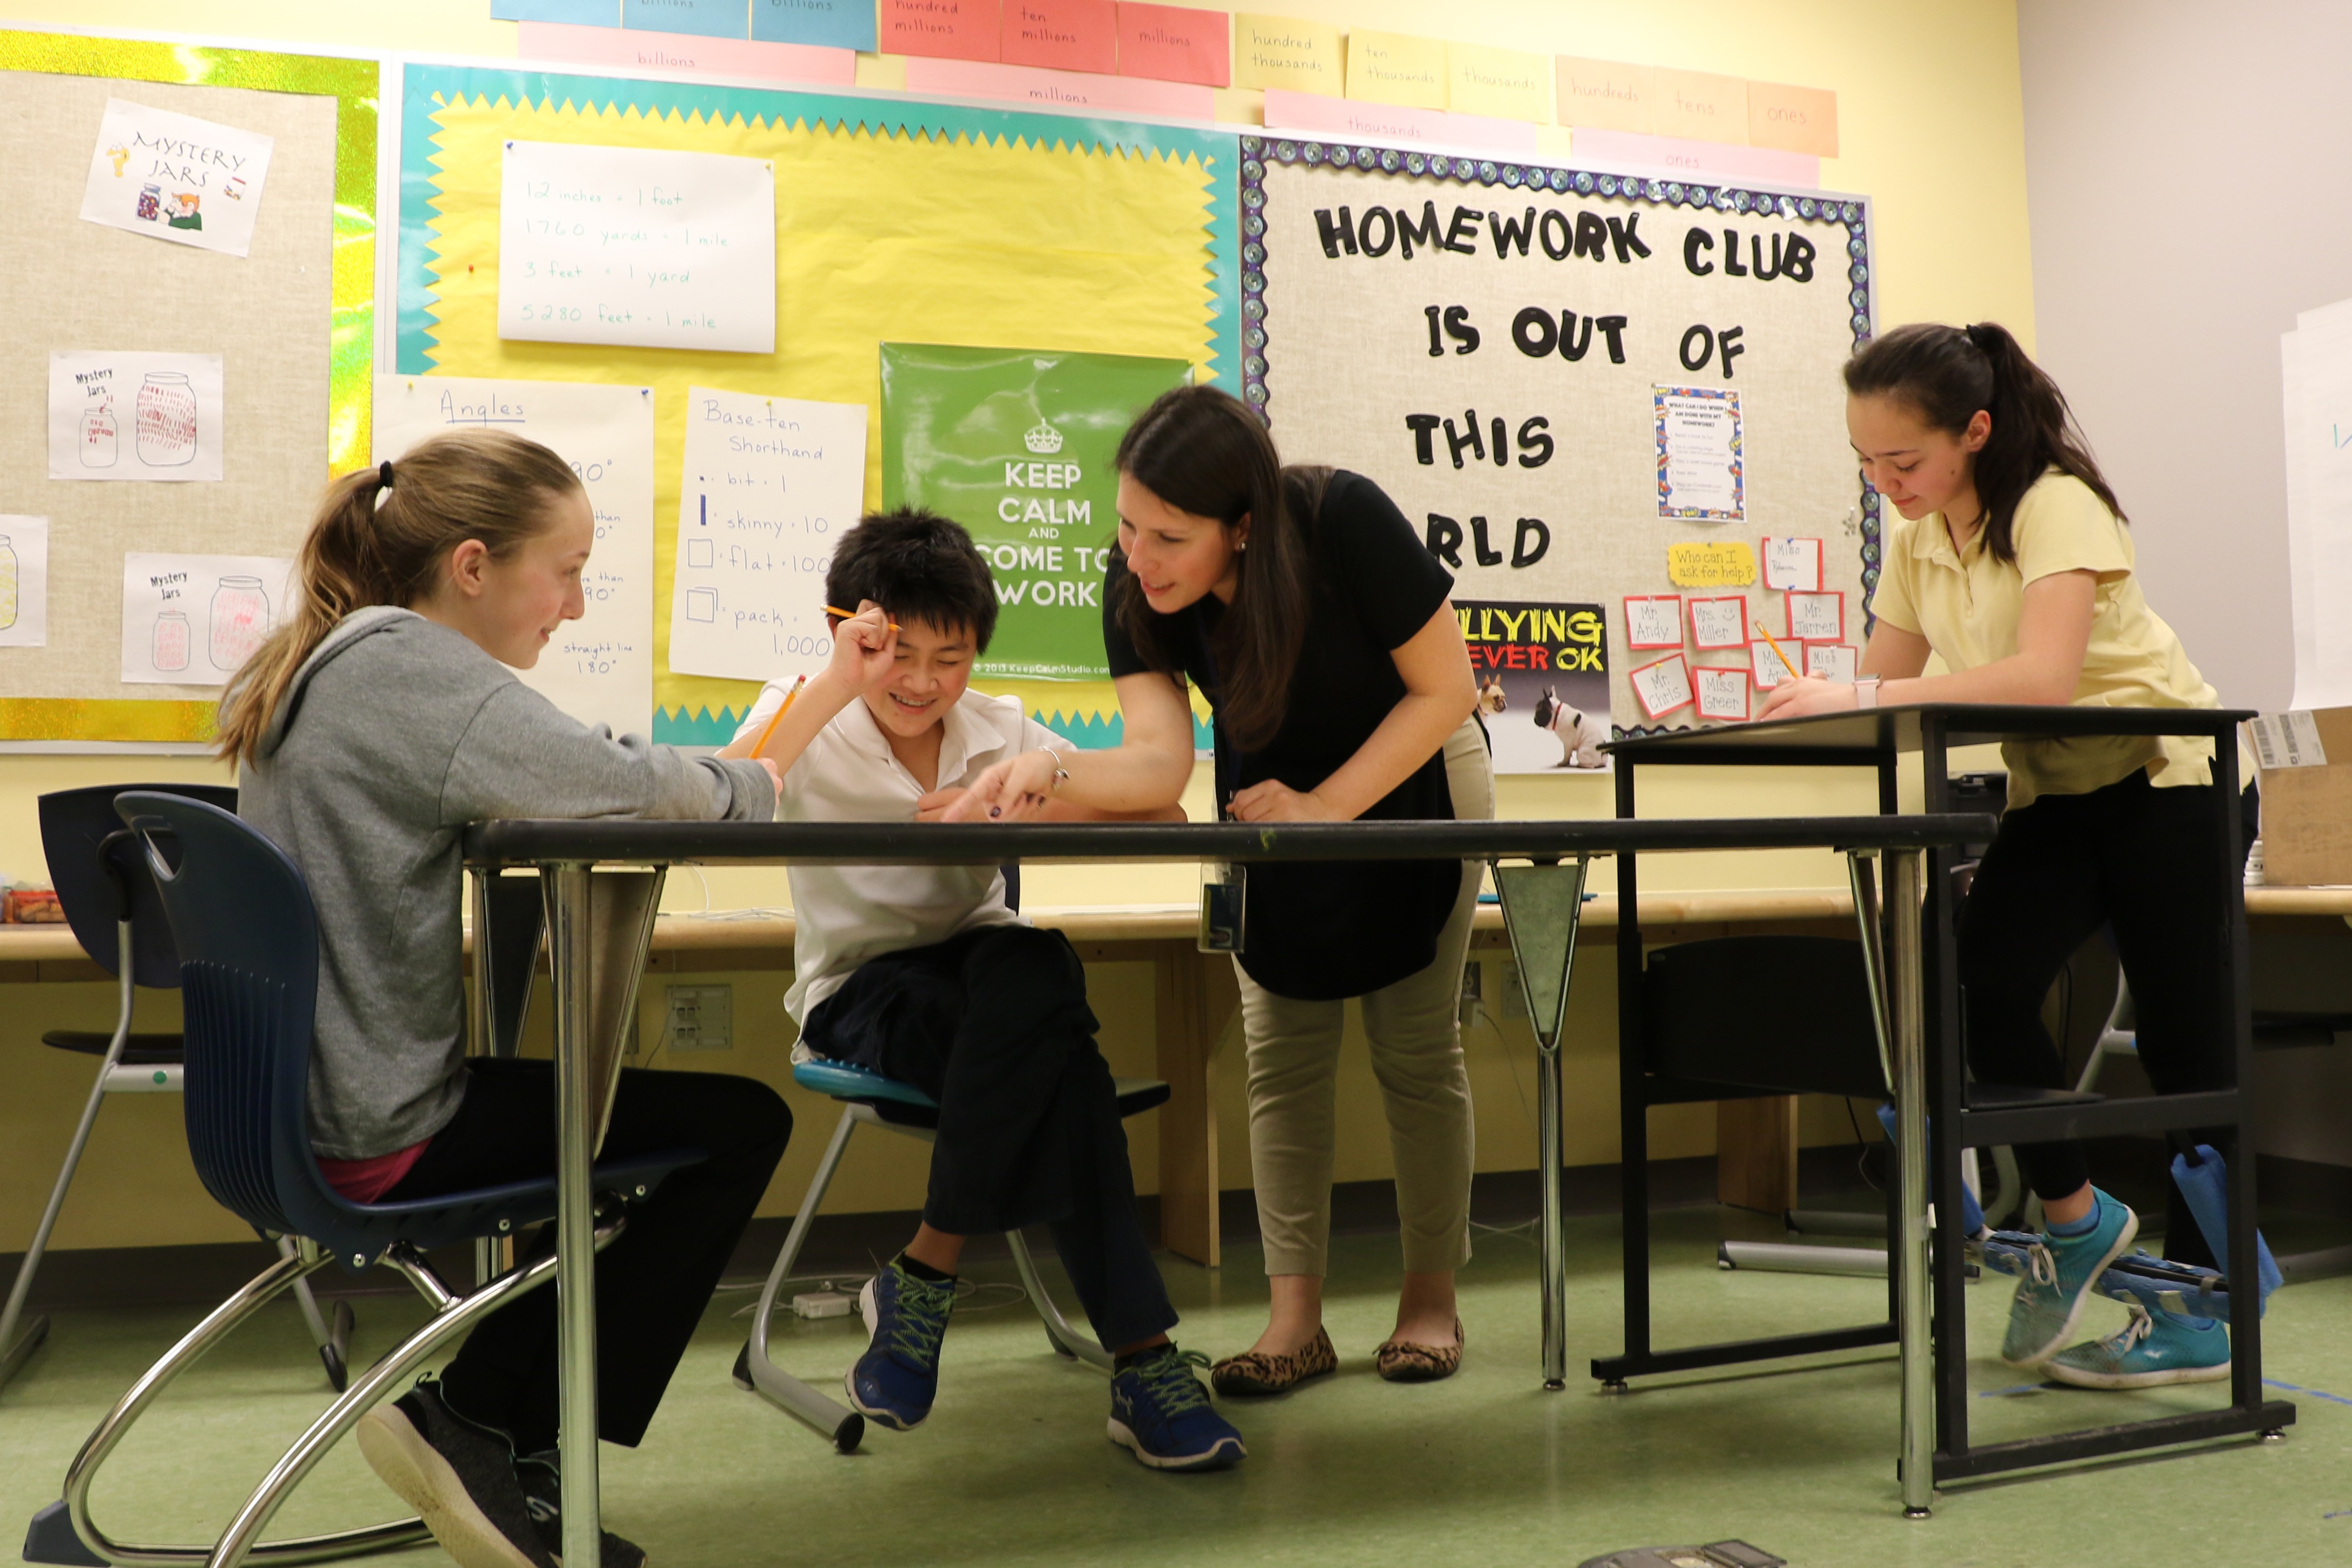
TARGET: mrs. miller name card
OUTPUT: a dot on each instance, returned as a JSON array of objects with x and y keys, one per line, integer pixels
[{"x": 631, "y": 247}]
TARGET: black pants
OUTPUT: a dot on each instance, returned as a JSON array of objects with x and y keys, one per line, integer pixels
[
  {"x": 652, "y": 1283},
  {"x": 994, "y": 1025},
  {"x": 2147, "y": 863}
]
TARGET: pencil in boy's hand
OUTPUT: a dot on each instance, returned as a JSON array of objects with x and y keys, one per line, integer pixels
[
  {"x": 1794, "y": 673},
  {"x": 777, "y": 717},
  {"x": 845, "y": 614}
]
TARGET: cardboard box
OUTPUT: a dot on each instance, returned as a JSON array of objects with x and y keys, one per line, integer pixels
[{"x": 2306, "y": 776}]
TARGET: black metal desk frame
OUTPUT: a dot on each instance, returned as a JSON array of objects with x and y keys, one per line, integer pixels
[{"x": 1875, "y": 739}]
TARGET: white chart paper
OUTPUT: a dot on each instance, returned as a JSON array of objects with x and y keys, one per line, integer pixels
[
  {"x": 193, "y": 620},
  {"x": 599, "y": 667},
  {"x": 2315, "y": 360},
  {"x": 770, "y": 484},
  {"x": 630, "y": 246},
  {"x": 24, "y": 582},
  {"x": 130, "y": 415},
  {"x": 176, "y": 178}
]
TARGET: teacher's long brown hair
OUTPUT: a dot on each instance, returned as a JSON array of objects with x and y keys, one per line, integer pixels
[{"x": 1203, "y": 451}]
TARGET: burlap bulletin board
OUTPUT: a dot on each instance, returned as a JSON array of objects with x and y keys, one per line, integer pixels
[
  {"x": 896, "y": 222},
  {"x": 1368, "y": 269},
  {"x": 291, "y": 322}
]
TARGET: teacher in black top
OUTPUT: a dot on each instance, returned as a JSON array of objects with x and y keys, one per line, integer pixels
[{"x": 1302, "y": 604}]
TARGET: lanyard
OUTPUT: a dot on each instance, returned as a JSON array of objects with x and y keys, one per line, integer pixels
[{"x": 1227, "y": 773}]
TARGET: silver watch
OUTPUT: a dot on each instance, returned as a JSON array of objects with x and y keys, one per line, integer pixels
[{"x": 1865, "y": 691}]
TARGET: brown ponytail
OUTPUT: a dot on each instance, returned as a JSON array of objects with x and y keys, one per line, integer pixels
[
  {"x": 1203, "y": 451},
  {"x": 1946, "y": 374},
  {"x": 381, "y": 535}
]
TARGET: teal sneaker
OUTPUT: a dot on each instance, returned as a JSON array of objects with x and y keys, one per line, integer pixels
[
  {"x": 1159, "y": 1412},
  {"x": 2060, "y": 1272},
  {"x": 2154, "y": 1348}
]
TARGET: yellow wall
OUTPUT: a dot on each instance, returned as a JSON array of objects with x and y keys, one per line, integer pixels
[{"x": 1931, "y": 127}]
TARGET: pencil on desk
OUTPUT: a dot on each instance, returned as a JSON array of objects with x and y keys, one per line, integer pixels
[
  {"x": 773, "y": 718},
  {"x": 845, "y": 614}
]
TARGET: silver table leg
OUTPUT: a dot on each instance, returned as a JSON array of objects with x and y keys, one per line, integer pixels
[
  {"x": 1541, "y": 906},
  {"x": 1906, "y": 883}
]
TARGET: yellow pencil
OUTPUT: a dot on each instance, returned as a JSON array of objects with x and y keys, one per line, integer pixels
[
  {"x": 1794, "y": 673},
  {"x": 775, "y": 719},
  {"x": 845, "y": 614}
]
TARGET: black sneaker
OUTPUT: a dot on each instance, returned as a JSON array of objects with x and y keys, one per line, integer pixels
[
  {"x": 542, "y": 1492},
  {"x": 459, "y": 1477}
]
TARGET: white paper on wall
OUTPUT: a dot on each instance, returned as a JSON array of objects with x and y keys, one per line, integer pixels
[
  {"x": 132, "y": 415},
  {"x": 24, "y": 582},
  {"x": 2316, "y": 362},
  {"x": 176, "y": 178},
  {"x": 599, "y": 667},
  {"x": 632, "y": 245},
  {"x": 193, "y": 620},
  {"x": 768, "y": 485}
]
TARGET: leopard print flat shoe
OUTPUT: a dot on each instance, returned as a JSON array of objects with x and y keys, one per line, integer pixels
[
  {"x": 1254, "y": 1372},
  {"x": 1400, "y": 1361}
]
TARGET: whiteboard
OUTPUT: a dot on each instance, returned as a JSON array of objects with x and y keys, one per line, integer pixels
[{"x": 1520, "y": 356}]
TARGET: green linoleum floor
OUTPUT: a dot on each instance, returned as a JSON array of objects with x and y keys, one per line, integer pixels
[{"x": 1486, "y": 1469}]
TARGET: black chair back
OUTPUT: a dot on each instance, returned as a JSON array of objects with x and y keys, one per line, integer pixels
[
  {"x": 100, "y": 875},
  {"x": 1782, "y": 1014}
]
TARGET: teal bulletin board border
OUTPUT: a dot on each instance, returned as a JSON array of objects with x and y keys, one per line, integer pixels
[{"x": 428, "y": 86}]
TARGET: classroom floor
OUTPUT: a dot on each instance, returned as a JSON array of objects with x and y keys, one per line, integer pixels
[{"x": 1486, "y": 1469}]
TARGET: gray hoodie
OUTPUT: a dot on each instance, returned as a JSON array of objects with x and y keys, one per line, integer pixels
[{"x": 395, "y": 733}]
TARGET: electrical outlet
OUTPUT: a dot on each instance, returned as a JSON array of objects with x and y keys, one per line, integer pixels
[
  {"x": 1472, "y": 1008},
  {"x": 701, "y": 1018},
  {"x": 1515, "y": 998}
]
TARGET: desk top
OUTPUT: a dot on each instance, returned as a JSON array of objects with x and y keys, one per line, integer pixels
[
  {"x": 1877, "y": 732},
  {"x": 629, "y": 841}
]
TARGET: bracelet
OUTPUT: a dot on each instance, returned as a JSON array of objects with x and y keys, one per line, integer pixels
[{"x": 1061, "y": 770}]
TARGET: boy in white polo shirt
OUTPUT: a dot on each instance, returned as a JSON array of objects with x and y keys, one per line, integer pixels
[{"x": 927, "y": 975}]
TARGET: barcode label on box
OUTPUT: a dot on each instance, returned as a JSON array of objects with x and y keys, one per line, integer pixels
[{"x": 2288, "y": 741}]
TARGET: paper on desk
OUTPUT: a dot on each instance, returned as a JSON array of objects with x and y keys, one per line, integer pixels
[{"x": 599, "y": 667}]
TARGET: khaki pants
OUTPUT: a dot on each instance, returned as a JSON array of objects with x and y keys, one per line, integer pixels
[{"x": 1416, "y": 1047}]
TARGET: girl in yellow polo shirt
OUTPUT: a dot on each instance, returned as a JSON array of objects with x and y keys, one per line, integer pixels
[{"x": 2013, "y": 565}]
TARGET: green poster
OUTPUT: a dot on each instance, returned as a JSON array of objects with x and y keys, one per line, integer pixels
[{"x": 1016, "y": 446}]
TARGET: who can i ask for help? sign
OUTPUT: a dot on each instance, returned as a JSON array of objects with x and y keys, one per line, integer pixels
[{"x": 1018, "y": 446}]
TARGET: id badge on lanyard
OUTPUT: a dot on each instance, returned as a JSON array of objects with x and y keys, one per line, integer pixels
[{"x": 1224, "y": 894}]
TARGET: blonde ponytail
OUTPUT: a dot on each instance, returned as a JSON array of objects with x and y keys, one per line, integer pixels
[{"x": 381, "y": 537}]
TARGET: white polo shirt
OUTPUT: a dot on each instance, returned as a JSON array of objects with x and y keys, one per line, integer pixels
[{"x": 847, "y": 914}]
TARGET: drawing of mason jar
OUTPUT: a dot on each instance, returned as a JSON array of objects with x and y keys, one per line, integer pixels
[
  {"x": 240, "y": 621},
  {"x": 171, "y": 643},
  {"x": 98, "y": 437},
  {"x": 8, "y": 591},
  {"x": 151, "y": 203},
  {"x": 165, "y": 417}
]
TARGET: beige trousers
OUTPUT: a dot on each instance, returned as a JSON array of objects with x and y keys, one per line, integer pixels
[{"x": 1416, "y": 1047}]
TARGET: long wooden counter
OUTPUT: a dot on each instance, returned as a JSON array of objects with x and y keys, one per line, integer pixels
[{"x": 1196, "y": 994}]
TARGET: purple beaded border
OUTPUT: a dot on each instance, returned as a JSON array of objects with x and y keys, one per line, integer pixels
[{"x": 1791, "y": 205}]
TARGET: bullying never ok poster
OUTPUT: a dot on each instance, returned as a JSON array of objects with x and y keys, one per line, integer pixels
[{"x": 1543, "y": 683}]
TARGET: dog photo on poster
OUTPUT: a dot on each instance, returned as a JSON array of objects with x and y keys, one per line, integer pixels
[{"x": 1543, "y": 683}]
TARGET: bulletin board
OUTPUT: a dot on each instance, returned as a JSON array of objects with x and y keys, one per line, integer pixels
[
  {"x": 292, "y": 321},
  {"x": 1502, "y": 348},
  {"x": 896, "y": 222}
]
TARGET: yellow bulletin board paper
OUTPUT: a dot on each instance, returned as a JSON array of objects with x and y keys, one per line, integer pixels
[
  {"x": 1396, "y": 67},
  {"x": 1700, "y": 105},
  {"x": 895, "y": 222},
  {"x": 1793, "y": 119},
  {"x": 293, "y": 321},
  {"x": 1504, "y": 84},
  {"x": 1606, "y": 95},
  {"x": 1286, "y": 53}
]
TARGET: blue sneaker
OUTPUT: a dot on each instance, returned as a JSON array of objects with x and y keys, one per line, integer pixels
[
  {"x": 897, "y": 1378},
  {"x": 1159, "y": 1412},
  {"x": 2060, "y": 1272},
  {"x": 2154, "y": 1348}
]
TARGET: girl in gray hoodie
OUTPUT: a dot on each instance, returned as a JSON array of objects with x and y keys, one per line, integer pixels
[{"x": 369, "y": 731}]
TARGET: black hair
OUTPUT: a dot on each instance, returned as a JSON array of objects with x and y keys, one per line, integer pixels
[
  {"x": 918, "y": 566},
  {"x": 1945, "y": 374},
  {"x": 1203, "y": 451}
]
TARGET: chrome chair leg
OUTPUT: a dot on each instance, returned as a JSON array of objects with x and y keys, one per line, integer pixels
[
  {"x": 754, "y": 1370},
  {"x": 1067, "y": 1341},
  {"x": 334, "y": 1340}
]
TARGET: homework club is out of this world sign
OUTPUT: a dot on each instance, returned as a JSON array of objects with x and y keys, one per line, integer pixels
[{"x": 1018, "y": 446}]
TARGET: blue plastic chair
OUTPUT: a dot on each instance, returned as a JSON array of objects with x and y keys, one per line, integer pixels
[
  {"x": 110, "y": 902},
  {"x": 248, "y": 941},
  {"x": 868, "y": 1097}
]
